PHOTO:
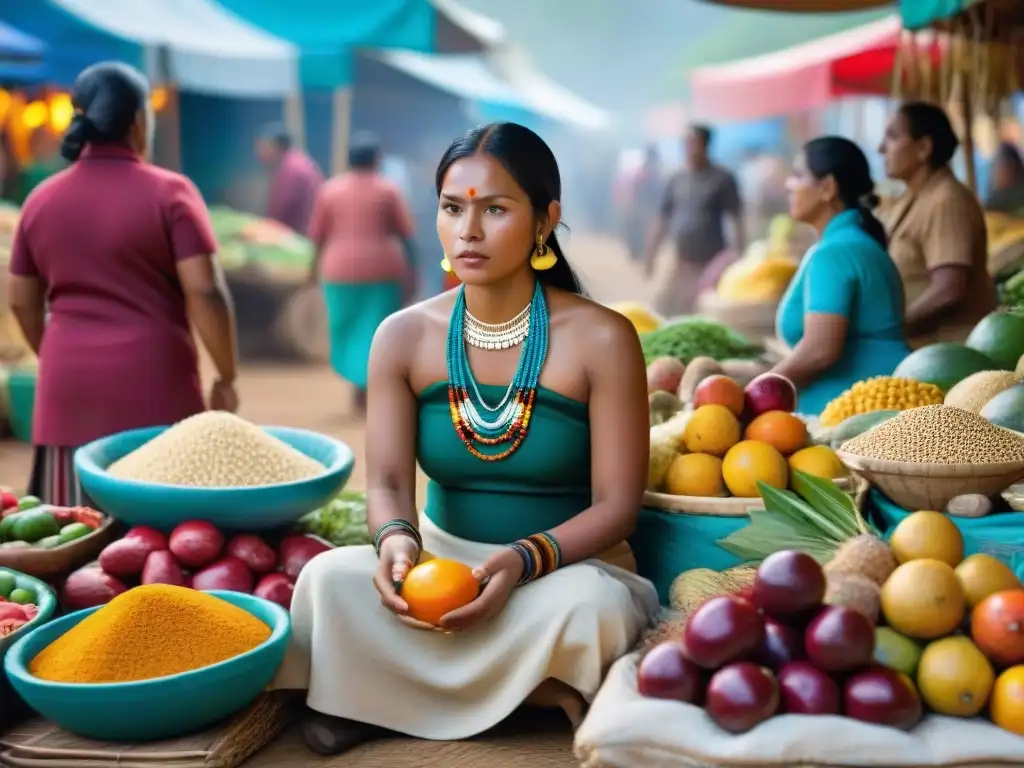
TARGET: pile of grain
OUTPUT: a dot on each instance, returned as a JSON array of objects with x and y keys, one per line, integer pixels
[
  {"x": 215, "y": 449},
  {"x": 938, "y": 434}
]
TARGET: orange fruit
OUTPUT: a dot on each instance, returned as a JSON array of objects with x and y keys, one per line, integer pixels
[
  {"x": 997, "y": 626},
  {"x": 783, "y": 431},
  {"x": 712, "y": 429},
  {"x": 750, "y": 461},
  {"x": 923, "y": 600},
  {"x": 437, "y": 587},
  {"x": 1006, "y": 705},
  {"x": 720, "y": 389},
  {"x": 695, "y": 474}
]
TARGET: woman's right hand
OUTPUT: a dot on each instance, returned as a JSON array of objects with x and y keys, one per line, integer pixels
[{"x": 398, "y": 554}]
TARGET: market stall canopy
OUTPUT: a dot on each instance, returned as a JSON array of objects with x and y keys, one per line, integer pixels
[
  {"x": 993, "y": 19},
  {"x": 923, "y": 13},
  {"x": 21, "y": 55},
  {"x": 804, "y": 6},
  {"x": 195, "y": 44},
  {"x": 806, "y": 77}
]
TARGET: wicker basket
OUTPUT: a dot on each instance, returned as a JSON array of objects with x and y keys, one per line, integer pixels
[
  {"x": 43, "y": 563},
  {"x": 724, "y": 506},
  {"x": 913, "y": 485}
]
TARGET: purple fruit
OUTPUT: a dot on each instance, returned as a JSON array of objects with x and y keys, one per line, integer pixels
[
  {"x": 882, "y": 696},
  {"x": 806, "y": 690},
  {"x": 665, "y": 673},
  {"x": 840, "y": 639},
  {"x": 741, "y": 695},
  {"x": 781, "y": 645},
  {"x": 722, "y": 630},
  {"x": 789, "y": 583}
]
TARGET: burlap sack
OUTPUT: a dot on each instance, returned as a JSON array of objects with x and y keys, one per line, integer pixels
[{"x": 626, "y": 730}]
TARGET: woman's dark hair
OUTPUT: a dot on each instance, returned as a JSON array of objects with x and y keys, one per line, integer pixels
[
  {"x": 530, "y": 161},
  {"x": 845, "y": 162},
  {"x": 929, "y": 121},
  {"x": 106, "y": 97},
  {"x": 278, "y": 135},
  {"x": 363, "y": 152}
]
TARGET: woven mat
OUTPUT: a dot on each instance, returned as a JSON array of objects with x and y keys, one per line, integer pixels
[{"x": 528, "y": 739}]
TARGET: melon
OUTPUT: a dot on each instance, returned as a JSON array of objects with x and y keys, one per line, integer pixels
[
  {"x": 945, "y": 364},
  {"x": 1000, "y": 336},
  {"x": 1006, "y": 409},
  {"x": 976, "y": 390}
]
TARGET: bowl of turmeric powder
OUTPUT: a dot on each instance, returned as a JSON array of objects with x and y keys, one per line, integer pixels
[{"x": 155, "y": 662}]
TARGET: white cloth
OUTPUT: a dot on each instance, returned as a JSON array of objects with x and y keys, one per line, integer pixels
[
  {"x": 360, "y": 663},
  {"x": 625, "y": 730}
]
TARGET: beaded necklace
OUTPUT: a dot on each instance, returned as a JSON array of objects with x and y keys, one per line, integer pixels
[{"x": 477, "y": 422}]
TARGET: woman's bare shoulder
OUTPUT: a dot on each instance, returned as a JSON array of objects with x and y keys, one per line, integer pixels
[
  {"x": 595, "y": 325},
  {"x": 406, "y": 328}
]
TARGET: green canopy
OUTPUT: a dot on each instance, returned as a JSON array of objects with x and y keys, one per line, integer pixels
[{"x": 923, "y": 13}]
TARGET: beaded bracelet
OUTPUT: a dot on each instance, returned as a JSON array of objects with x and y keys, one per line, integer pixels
[
  {"x": 396, "y": 526},
  {"x": 540, "y": 554}
]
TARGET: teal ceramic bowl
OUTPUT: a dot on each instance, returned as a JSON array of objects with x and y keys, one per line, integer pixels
[
  {"x": 250, "y": 509},
  {"x": 47, "y": 606},
  {"x": 149, "y": 710}
]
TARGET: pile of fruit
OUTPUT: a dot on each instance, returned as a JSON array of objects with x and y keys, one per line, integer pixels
[
  {"x": 734, "y": 438},
  {"x": 28, "y": 523},
  {"x": 18, "y": 605},
  {"x": 881, "y": 633},
  {"x": 195, "y": 554}
]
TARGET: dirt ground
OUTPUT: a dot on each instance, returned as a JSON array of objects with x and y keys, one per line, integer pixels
[{"x": 312, "y": 397}]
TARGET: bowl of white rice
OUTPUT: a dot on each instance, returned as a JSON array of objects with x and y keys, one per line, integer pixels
[{"x": 213, "y": 466}]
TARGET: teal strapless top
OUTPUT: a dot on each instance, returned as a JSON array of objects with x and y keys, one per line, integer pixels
[{"x": 543, "y": 484}]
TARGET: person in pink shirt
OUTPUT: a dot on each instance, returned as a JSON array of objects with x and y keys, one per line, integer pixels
[
  {"x": 362, "y": 230},
  {"x": 120, "y": 254},
  {"x": 295, "y": 178}
]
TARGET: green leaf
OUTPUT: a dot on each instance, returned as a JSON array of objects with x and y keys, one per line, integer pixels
[
  {"x": 791, "y": 505},
  {"x": 828, "y": 500}
]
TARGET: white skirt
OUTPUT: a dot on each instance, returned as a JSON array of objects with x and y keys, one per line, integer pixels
[{"x": 359, "y": 662}]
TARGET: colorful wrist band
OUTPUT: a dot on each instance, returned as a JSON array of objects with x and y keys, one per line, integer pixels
[
  {"x": 396, "y": 526},
  {"x": 540, "y": 554}
]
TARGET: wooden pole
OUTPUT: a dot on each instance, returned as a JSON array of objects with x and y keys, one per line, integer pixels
[
  {"x": 295, "y": 118},
  {"x": 341, "y": 124}
]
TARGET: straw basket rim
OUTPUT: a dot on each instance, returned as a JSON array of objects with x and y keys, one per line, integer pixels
[
  {"x": 925, "y": 470},
  {"x": 716, "y": 506}
]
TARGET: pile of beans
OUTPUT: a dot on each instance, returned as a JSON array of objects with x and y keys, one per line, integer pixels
[{"x": 938, "y": 434}]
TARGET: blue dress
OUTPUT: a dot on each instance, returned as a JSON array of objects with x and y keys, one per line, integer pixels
[{"x": 847, "y": 273}]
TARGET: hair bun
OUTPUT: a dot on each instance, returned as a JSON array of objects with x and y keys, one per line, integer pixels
[{"x": 869, "y": 200}]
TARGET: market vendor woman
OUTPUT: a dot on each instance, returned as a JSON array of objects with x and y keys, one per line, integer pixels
[
  {"x": 937, "y": 233},
  {"x": 842, "y": 314},
  {"x": 120, "y": 253},
  {"x": 538, "y": 470}
]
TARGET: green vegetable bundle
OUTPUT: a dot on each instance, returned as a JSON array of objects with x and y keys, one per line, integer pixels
[
  {"x": 1013, "y": 291},
  {"x": 342, "y": 521},
  {"x": 693, "y": 337}
]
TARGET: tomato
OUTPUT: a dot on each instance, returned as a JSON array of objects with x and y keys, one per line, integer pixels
[
  {"x": 10, "y": 626},
  {"x": 89, "y": 517}
]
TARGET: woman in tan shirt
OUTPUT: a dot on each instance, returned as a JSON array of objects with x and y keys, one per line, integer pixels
[{"x": 936, "y": 229}]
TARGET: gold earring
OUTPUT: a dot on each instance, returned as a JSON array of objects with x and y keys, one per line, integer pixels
[
  {"x": 543, "y": 258},
  {"x": 445, "y": 264}
]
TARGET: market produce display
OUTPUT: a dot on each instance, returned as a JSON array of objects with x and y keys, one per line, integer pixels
[
  {"x": 342, "y": 521},
  {"x": 251, "y": 240},
  {"x": 215, "y": 449},
  {"x": 799, "y": 640},
  {"x": 27, "y": 523},
  {"x": 881, "y": 393},
  {"x": 733, "y": 438},
  {"x": 767, "y": 266},
  {"x": 974, "y": 393},
  {"x": 1006, "y": 409},
  {"x": 196, "y": 555},
  {"x": 18, "y": 605},
  {"x": 149, "y": 632},
  {"x": 689, "y": 338}
]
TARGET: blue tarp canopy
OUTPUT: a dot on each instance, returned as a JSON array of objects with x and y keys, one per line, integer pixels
[
  {"x": 195, "y": 44},
  {"x": 21, "y": 55}
]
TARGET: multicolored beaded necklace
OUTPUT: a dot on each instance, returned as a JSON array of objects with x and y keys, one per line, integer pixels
[{"x": 476, "y": 421}]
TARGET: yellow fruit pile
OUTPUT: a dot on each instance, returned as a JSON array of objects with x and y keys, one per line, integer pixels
[{"x": 879, "y": 394}]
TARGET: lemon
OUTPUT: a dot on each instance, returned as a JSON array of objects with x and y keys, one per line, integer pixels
[
  {"x": 695, "y": 474},
  {"x": 818, "y": 460}
]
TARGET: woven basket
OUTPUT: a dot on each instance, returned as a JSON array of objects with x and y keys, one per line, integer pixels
[
  {"x": 43, "y": 563},
  {"x": 913, "y": 485},
  {"x": 725, "y": 506}
]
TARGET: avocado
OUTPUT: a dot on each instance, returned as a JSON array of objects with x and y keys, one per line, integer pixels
[{"x": 33, "y": 525}]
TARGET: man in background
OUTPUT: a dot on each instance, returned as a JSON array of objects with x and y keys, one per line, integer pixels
[
  {"x": 295, "y": 178},
  {"x": 698, "y": 202}
]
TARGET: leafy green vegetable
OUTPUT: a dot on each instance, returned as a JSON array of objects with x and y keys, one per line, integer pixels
[
  {"x": 693, "y": 337},
  {"x": 342, "y": 521}
]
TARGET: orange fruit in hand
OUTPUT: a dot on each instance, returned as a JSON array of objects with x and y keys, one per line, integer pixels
[
  {"x": 783, "y": 431},
  {"x": 1006, "y": 705},
  {"x": 997, "y": 626},
  {"x": 436, "y": 587},
  {"x": 719, "y": 389}
]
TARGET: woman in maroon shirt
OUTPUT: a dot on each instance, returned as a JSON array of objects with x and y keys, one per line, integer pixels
[{"x": 119, "y": 253}]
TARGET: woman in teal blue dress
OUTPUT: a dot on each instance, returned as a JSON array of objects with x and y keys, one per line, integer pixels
[{"x": 842, "y": 316}]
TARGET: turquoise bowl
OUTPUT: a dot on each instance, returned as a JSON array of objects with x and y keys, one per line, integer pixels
[
  {"x": 254, "y": 508},
  {"x": 47, "y": 606},
  {"x": 149, "y": 710}
]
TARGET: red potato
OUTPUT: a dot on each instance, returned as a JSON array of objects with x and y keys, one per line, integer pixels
[
  {"x": 228, "y": 573},
  {"x": 155, "y": 540},
  {"x": 162, "y": 568},
  {"x": 196, "y": 544},
  {"x": 253, "y": 551},
  {"x": 89, "y": 587},
  {"x": 277, "y": 588},
  {"x": 297, "y": 551},
  {"x": 125, "y": 557}
]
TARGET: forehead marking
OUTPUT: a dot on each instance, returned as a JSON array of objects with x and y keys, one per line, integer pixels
[{"x": 471, "y": 192}]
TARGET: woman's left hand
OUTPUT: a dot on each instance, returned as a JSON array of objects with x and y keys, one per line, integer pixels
[{"x": 499, "y": 576}]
